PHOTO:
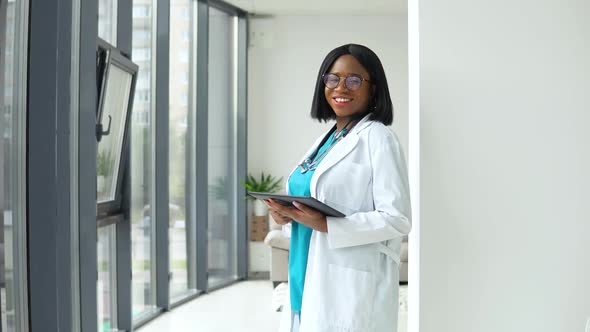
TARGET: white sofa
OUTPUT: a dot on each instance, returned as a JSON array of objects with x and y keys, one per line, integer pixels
[{"x": 279, "y": 254}]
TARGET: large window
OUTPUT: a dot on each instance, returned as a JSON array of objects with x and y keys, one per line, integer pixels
[
  {"x": 107, "y": 20},
  {"x": 107, "y": 279},
  {"x": 142, "y": 161},
  {"x": 13, "y": 57},
  {"x": 222, "y": 256},
  {"x": 176, "y": 232},
  {"x": 180, "y": 150},
  {"x": 118, "y": 75}
]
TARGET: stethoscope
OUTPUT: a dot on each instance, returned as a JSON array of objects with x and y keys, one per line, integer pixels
[{"x": 311, "y": 162}]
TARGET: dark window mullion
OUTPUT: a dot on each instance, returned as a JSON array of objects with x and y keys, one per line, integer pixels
[{"x": 162, "y": 153}]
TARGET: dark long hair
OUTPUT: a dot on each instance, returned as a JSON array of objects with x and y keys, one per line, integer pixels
[{"x": 380, "y": 106}]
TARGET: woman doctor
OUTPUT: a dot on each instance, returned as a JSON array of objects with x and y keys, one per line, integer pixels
[{"x": 344, "y": 272}]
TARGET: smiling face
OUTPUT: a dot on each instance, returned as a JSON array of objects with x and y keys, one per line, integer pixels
[{"x": 346, "y": 102}]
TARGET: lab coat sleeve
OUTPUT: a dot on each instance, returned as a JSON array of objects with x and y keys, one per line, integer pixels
[{"x": 391, "y": 217}]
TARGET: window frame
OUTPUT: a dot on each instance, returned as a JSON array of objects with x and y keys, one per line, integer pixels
[{"x": 110, "y": 55}]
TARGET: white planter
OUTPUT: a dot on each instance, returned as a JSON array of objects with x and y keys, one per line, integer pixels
[{"x": 260, "y": 209}]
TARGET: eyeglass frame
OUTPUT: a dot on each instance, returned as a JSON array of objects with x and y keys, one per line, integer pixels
[{"x": 345, "y": 79}]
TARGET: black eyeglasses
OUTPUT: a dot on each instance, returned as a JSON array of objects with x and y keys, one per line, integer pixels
[{"x": 351, "y": 82}]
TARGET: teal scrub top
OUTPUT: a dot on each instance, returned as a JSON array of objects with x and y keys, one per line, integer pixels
[{"x": 299, "y": 185}]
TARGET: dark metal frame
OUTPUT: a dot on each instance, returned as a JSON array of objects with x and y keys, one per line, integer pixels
[
  {"x": 114, "y": 57},
  {"x": 162, "y": 155},
  {"x": 48, "y": 167},
  {"x": 227, "y": 8},
  {"x": 87, "y": 165},
  {"x": 123, "y": 226},
  {"x": 242, "y": 147},
  {"x": 74, "y": 166},
  {"x": 202, "y": 137}
]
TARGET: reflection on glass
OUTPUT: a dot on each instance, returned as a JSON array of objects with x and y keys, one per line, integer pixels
[
  {"x": 222, "y": 165},
  {"x": 109, "y": 149},
  {"x": 106, "y": 283},
  {"x": 142, "y": 225},
  {"x": 11, "y": 111},
  {"x": 109, "y": 153},
  {"x": 178, "y": 152},
  {"x": 107, "y": 21}
]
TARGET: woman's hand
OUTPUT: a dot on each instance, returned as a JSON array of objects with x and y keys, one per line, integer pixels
[
  {"x": 279, "y": 218},
  {"x": 301, "y": 213}
]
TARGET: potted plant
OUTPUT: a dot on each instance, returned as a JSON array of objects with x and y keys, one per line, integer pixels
[{"x": 267, "y": 184}]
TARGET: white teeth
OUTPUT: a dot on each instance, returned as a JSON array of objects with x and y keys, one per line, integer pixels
[{"x": 342, "y": 100}]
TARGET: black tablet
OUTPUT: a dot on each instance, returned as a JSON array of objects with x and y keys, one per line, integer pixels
[{"x": 288, "y": 200}]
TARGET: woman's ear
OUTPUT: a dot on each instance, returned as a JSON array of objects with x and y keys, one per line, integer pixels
[{"x": 374, "y": 90}]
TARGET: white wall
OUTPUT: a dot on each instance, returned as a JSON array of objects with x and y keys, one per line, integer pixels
[
  {"x": 284, "y": 58},
  {"x": 505, "y": 161}
]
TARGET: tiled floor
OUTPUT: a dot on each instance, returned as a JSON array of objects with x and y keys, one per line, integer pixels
[{"x": 242, "y": 307}]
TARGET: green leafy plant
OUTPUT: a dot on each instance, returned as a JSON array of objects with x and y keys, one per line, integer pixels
[
  {"x": 104, "y": 163},
  {"x": 218, "y": 189},
  {"x": 266, "y": 183}
]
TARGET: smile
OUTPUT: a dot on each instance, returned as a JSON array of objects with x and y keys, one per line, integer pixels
[{"x": 340, "y": 100}]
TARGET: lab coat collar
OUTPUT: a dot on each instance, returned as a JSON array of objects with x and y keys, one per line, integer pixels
[
  {"x": 339, "y": 151},
  {"x": 363, "y": 123}
]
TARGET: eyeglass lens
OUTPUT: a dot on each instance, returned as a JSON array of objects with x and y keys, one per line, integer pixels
[{"x": 351, "y": 82}]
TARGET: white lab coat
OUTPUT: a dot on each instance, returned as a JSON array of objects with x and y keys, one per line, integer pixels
[{"x": 352, "y": 277}]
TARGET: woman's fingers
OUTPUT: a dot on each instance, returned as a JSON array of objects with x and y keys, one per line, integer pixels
[
  {"x": 304, "y": 208},
  {"x": 307, "y": 210},
  {"x": 280, "y": 213},
  {"x": 286, "y": 211},
  {"x": 279, "y": 219}
]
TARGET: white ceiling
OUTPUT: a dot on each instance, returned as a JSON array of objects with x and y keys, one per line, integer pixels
[{"x": 319, "y": 7}]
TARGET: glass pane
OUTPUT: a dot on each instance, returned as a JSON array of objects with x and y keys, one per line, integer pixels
[
  {"x": 12, "y": 223},
  {"x": 109, "y": 149},
  {"x": 107, "y": 20},
  {"x": 106, "y": 284},
  {"x": 222, "y": 165},
  {"x": 179, "y": 154},
  {"x": 142, "y": 225}
]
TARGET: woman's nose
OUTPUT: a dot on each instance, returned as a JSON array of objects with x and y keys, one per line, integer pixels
[{"x": 341, "y": 85}]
